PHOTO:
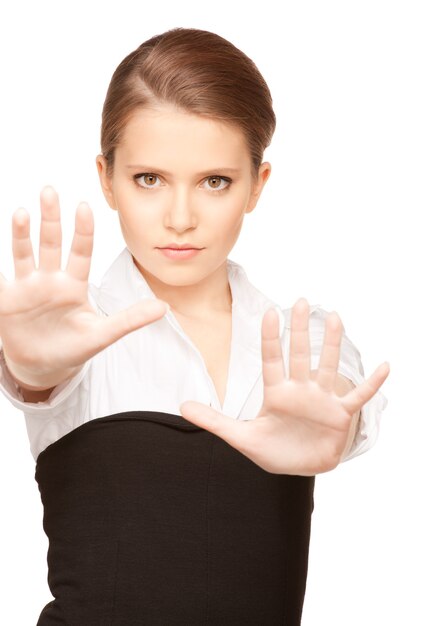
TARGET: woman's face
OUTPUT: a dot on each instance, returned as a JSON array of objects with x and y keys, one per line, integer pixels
[{"x": 179, "y": 178}]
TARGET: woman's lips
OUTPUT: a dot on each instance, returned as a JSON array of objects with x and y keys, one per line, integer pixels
[{"x": 187, "y": 253}]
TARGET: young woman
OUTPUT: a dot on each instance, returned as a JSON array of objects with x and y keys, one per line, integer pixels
[{"x": 177, "y": 416}]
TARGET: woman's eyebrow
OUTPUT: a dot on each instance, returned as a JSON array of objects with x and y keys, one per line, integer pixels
[{"x": 149, "y": 168}]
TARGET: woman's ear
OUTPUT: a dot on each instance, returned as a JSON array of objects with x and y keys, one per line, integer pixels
[
  {"x": 105, "y": 180},
  {"x": 263, "y": 175}
]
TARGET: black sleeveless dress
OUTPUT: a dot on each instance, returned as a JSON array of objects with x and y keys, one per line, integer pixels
[{"x": 152, "y": 520}]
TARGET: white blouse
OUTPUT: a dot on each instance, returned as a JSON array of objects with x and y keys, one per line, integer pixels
[{"x": 157, "y": 367}]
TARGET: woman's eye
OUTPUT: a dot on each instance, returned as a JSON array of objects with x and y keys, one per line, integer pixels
[
  {"x": 149, "y": 180},
  {"x": 215, "y": 182}
]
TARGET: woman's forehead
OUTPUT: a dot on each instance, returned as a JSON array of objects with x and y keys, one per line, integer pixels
[{"x": 171, "y": 134}]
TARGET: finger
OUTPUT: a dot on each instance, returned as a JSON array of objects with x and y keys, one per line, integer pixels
[
  {"x": 357, "y": 397},
  {"x": 112, "y": 328},
  {"x": 273, "y": 368},
  {"x": 80, "y": 255},
  {"x": 50, "y": 231},
  {"x": 329, "y": 358},
  {"x": 203, "y": 416},
  {"x": 23, "y": 254},
  {"x": 299, "y": 353}
]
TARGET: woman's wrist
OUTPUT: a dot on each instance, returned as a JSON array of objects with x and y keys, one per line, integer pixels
[{"x": 20, "y": 384}]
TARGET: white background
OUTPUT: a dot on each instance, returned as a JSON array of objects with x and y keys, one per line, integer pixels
[{"x": 337, "y": 223}]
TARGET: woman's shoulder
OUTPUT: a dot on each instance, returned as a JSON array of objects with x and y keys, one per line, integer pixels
[{"x": 317, "y": 315}]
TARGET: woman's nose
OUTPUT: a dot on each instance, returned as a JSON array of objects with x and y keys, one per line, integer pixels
[{"x": 181, "y": 212}]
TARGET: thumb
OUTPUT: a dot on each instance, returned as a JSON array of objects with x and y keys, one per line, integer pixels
[
  {"x": 217, "y": 423},
  {"x": 112, "y": 328}
]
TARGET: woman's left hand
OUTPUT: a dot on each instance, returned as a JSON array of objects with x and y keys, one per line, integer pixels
[{"x": 302, "y": 427}]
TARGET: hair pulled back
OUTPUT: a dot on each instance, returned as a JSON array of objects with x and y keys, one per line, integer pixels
[{"x": 197, "y": 71}]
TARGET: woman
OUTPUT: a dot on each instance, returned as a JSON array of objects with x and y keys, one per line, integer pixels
[{"x": 176, "y": 464}]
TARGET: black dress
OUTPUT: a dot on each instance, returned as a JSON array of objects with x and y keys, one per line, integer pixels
[{"x": 152, "y": 520}]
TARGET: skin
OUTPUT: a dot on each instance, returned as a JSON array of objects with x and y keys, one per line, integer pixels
[
  {"x": 307, "y": 421},
  {"x": 182, "y": 206}
]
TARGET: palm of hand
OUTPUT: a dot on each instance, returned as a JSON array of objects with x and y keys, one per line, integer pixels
[
  {"x": 45, "y": 304},
  {"x": 303, "y": 425}
]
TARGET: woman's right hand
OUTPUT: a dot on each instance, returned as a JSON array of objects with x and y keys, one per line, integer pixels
[{"x": 48, "y": 327}]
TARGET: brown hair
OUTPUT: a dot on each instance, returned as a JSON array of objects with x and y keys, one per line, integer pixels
[{"x": 197, "y": 71}]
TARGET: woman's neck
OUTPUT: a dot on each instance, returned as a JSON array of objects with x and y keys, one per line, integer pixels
[{"x": 208, "y": 297}]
